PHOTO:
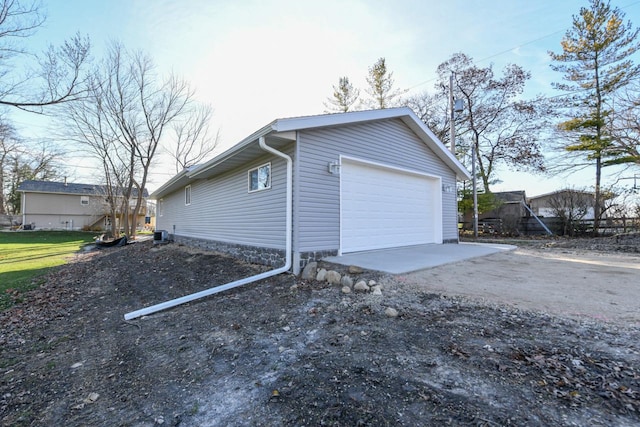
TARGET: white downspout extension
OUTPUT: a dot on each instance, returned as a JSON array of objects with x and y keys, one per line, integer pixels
[{"x": 245, "y": 281}]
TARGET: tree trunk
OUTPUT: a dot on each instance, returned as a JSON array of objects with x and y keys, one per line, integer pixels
[
  {"x": 3, "y": 211},
  {"x": 598, "y": 203},
  {"x": 114, "y": 223}
]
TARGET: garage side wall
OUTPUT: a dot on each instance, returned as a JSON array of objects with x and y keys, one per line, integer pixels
[
  {"x": 389, "y": 142},
  {"x": 225, "y": 216}
]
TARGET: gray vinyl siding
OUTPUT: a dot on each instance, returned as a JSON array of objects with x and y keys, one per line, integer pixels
[
  {"x": 223, "y": 210},
  {"x": 388, "y": 142}
]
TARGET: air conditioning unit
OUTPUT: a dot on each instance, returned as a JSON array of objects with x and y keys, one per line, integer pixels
[{"x": 160, "y": 236}]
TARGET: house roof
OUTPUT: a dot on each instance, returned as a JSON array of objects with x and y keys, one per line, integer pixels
[
  {"x": 511, "y": 196},
  {"x": 553, "y": 193},
  {"x": 52, "y": 187},
  {"x": 282, "y": 131}
]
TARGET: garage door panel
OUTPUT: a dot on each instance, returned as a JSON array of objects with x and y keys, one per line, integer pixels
[{"x": 382, "y": 208}]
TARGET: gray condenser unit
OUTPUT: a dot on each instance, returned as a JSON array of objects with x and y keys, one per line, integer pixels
[{"x": 160, "y": 236}]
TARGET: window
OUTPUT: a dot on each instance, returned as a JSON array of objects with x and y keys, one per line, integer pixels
[
  {"x": 84, "y": 200},
  {"x": 187, "y": 195},
  {"x": 161, "y": 207},
  {"x": 260, "y": 178}
]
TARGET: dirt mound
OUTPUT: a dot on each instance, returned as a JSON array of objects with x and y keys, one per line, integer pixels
[{"x": 290, "y": 352}]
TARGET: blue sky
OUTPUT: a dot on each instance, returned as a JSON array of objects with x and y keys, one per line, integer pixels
[{"x": 257, "y": 60}]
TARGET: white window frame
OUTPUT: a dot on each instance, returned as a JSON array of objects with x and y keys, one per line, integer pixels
[
  {"x": 160, "y": 211},
  {"x": 84, "y": 200},
  {"x": 187, "y": 195},
  {"x": 266, "y": 185}
]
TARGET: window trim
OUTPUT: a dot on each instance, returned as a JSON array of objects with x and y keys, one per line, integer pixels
[
  {"x": 257, "y": 169},
  {"x": 187, "y": 195},
  {"x": 84, "y": 199}
]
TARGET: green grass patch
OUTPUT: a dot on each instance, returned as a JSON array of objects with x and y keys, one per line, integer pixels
[{"x": 24, "y": 256}]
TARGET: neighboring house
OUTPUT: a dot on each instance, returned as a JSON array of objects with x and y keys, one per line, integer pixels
[
  {"x": 359, "y": 181},
  {"x": 571, "y": 203},
  {"x": 504, "y": 218},
  {"x": 511, "y": 205},
  {"x": 67, "y": 206},
  {"x": 509, "y": 212}
]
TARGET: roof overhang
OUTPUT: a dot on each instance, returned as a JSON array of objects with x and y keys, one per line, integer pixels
[
  {"x": 403, "y": 113},
  {"x": 239, "y": 155},
  {"x": 282, "y": 131}
]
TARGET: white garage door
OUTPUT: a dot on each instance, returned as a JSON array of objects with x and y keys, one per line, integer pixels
[{"x": 383, "y": 208}]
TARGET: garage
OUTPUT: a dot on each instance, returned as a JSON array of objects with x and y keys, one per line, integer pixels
[{"x": 386, "y": 207}]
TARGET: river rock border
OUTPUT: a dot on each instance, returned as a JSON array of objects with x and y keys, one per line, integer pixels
[{"x": 350, "y": 281}]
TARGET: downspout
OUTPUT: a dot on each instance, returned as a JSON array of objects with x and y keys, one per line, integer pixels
[{"x": 245, "y": 281}]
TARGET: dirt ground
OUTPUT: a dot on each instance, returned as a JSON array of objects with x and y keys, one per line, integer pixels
[
  {"x": 545, "y": 335},
  {"x": 567, "y": 282}
]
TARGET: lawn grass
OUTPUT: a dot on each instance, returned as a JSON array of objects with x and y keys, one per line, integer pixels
[{"x": 24, "y": 256}]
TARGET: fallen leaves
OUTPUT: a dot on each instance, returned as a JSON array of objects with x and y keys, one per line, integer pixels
[{"x": 582, "y": 379}]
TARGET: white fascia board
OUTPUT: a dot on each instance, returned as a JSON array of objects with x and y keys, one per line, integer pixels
[
  {"x": 286, "y": 128},
  {"x": 310, "y": 122},
  {"x": 177, "y": 181},
  {"x": 433, "y": 142},
  {"x": 404, "y": 113}
]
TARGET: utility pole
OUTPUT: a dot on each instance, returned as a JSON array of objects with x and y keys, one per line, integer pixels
[
  {"x": 452, "y": 116},
  {"x": 475, "y": 191},
  {"x": 456, "y": 106}
]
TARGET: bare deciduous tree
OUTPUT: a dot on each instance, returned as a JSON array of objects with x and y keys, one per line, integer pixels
[
  {"x": 60, "y": 78},
  {"x": 625, "y": 128},
  {"x": 570, "y": 206},
  {"x": 87, "y": 124},
  {"x": 193, "y": 141},
  {"x": 126, "y": 120},
  {"x": 9, "y": 146},
  {"x": 433, "y": 110},
  {"x": 502, "y": 127},
  {"x": 26, "y": 162}
]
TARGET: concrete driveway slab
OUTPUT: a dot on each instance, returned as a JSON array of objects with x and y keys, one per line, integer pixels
[{"x": 414, "y": 258}]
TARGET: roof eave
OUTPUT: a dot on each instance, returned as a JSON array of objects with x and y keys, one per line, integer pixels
[
  {"x": 285, "y": 125},
  {"x": 311, "y": 122},
  {"x": 404, "y": 113},
  {"x": 177, "y": 181},
  {"x": 436, "y": 145},
  {"x": 253, "y": 138}
]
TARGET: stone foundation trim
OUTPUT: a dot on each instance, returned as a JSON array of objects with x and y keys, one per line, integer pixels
[
  {"x": 253, "y": 254},
  {"x": 307, "y": 257}
]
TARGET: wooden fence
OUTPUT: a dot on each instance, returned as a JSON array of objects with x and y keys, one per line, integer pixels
[{"x": 529, "y": 226}]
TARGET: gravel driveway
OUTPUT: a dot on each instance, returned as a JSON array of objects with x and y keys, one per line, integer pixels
[{"x": 576, "y": 283}]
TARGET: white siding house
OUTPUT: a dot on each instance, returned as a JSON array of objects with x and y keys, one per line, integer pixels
[{"x": 361, "y": 181}]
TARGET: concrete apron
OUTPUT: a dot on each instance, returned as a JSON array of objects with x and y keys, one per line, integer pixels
[{"x": 413, "y": 258}]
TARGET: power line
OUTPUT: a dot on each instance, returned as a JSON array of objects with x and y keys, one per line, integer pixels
[{"x": 515, "y": 47}]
